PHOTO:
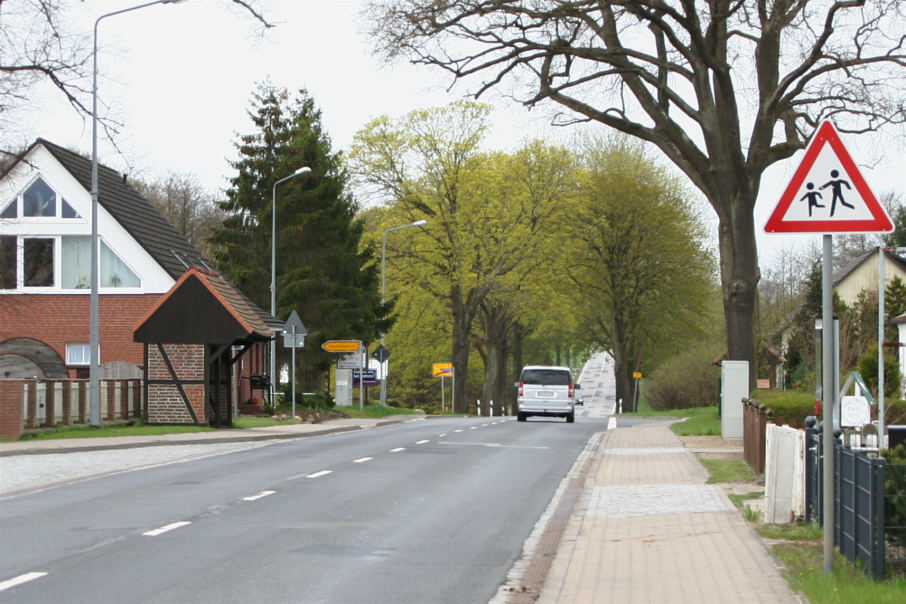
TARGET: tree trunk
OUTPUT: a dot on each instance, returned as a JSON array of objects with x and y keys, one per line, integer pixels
[
  {"x": 739, "y": 278},
  {"x": 463, "y": 316}
]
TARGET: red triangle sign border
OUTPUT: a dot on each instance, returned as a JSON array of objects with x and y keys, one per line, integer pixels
[{"x": 826, "y": 134}]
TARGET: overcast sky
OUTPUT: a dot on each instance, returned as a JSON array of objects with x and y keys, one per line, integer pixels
[{"x": 180, "y": 78}]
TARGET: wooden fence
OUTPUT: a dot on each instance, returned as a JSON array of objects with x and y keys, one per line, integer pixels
[{"x": 33, "y": 404}]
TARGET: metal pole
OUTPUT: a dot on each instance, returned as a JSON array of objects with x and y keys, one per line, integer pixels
[
  {"x": 385, "y": 365},
  {"x": 293, "y": 373},
  {"x": 273, "y": 371},
  {"x": 828, "y": 394},
  {"x": 881, "y": 296},
  {"x": 94, "y": 366}
]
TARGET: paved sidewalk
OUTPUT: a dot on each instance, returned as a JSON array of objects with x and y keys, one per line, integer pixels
[
  {"x": 29, "y": 465},
  {"x": 648, "y": 529}
]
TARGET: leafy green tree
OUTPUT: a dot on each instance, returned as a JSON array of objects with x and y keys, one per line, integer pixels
[
  {"x": 321, "y": 271},
  {"x": 724, "y": 89},
  {"x": 640, "y": 258}
]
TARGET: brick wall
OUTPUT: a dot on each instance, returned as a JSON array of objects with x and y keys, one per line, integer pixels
[
  {"x": 57, "y": 319},
  {"x": 164, "y": 402},
  {"x": 10, "y": 409}
]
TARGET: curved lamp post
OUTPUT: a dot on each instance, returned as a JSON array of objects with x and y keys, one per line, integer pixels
[
  {"x": 94, "y": 400},
  {"x": 417, "y": 223},
  {"x": 299, "y": 172}
]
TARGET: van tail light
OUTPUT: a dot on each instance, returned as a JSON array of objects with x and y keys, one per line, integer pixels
[
  {"x": 521, "y": 388},
  {"x": 570, "y": 391}
]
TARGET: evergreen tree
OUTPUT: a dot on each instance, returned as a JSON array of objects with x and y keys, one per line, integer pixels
[{"x": 320, "y": 270}]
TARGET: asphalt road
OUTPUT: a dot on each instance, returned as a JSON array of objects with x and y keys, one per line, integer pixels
[{"x": 426, "y": 511}]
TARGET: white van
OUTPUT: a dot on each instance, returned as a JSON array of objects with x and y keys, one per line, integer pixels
[{"x": 546, "y": 390}]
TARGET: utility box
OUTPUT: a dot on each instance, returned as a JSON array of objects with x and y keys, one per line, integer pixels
[
  {"x": 343, "y": 395},
  {"x": 734, "y": 386}
]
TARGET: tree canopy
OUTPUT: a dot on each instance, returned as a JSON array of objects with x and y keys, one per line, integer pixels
[
  {"x": 320, "y": 270},
  {"x": 723, "y": 88}
]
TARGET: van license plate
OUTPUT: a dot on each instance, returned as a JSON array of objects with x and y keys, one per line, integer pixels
[{"x": 544, "y": 394}]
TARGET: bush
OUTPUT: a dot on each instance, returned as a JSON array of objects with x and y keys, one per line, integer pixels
[
  {"x": 868, "y": 367},
  {"x": 895, "y": 492},
  {"x": 685, "y": 380},
  {"x": 787, "y": 406}
]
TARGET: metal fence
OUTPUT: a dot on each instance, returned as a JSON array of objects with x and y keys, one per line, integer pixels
[{"x": 869, "y": 505}]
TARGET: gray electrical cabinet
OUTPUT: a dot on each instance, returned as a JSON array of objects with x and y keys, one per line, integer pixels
[
  {"x": 734, "y": 386},
  {"x": 343, "y": 395}
]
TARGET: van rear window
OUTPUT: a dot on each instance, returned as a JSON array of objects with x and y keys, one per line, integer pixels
[{"x": 546, "y": 377}]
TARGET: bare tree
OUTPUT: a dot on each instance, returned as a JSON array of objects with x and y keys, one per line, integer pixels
[
  {"x": 36, "y": 46},
  {"x": 724, "y": 88},
  {"x": 182, "y": 201}
]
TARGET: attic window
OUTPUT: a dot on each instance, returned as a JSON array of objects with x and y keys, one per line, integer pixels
[{"x": 39, "y": 200}]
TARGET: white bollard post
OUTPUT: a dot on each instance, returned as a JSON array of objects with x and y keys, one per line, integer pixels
[
  {"x": 621, "y": 406},
  {"x": 478, "y": 406},
  {"x": 491, "y": 411}
]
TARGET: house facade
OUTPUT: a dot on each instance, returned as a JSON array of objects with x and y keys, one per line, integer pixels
[{"x": 45, "y": 239}]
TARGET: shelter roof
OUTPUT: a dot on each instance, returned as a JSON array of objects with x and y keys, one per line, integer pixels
[{"x": 203, "y": 307}]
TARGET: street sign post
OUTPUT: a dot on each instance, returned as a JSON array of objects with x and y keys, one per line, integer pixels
[
  {"x": 828, "y": 194},
  {"x": 342, "y": 345},
  {"x": 294, "y": 333}
]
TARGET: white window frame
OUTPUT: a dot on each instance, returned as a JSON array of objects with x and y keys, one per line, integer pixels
[{"x": 84, "y": 349}]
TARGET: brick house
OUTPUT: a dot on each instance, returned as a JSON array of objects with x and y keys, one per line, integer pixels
[{"x": 45, "y": 211}]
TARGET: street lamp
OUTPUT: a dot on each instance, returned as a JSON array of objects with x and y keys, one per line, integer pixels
[
  {"x": 94, "y": 398},
  {"x": 384, "y": 296},
  {"x": 300, "y": 171}
]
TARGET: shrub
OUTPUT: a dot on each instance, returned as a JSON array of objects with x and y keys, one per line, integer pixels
[
  {"x": 868, "y": 367},
  {"x": 685, "y": 380},
  {"x": 787, "y": 406}
]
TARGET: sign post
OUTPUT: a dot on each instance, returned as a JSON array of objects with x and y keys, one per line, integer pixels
[
  {"x": 827, "y": 195},
  {"x": 442, "y": 370},
  {"x": 294, "y": 333}
]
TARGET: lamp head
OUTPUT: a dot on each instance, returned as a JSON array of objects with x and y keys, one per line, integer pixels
[
  {"x": 420, "y": 223},
  {"x": 302, "y": 170}
]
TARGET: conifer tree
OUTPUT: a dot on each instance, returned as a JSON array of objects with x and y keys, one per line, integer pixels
[{"x": 320, "y": 270}]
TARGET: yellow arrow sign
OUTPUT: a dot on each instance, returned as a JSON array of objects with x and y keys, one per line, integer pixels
[
  {"x": 442, "y": 369},
  {"x": 636, "y": 374},
  {"x": 342, "y": 345}
]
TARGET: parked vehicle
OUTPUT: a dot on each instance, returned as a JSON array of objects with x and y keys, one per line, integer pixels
[{"x": 546, "y": 390}]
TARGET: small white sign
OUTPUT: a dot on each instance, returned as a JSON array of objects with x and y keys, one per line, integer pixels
[
  {"x": 854, "y": 411},
  {"x": 350, "y": 360}
]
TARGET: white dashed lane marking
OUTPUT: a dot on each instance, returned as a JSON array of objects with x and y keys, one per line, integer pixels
[
  {"x": 319, "y": 474},
  {"x": 20, "y": 580},
  {"x": 362, "y": 459},
  {"x": 166, "y": 529},
  {"x": 258, "y": 496}
]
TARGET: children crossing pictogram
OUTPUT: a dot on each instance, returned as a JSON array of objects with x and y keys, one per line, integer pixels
[{"x": 842, "y": 202}]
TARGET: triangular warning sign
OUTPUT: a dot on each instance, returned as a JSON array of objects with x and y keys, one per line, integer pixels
[{"x": 827, "y": 193}]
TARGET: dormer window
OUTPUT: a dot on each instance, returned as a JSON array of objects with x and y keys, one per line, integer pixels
[{"x": 38, "y": 200}]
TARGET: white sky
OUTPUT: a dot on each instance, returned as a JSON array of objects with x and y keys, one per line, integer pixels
[{"x": 180, "y": 77}]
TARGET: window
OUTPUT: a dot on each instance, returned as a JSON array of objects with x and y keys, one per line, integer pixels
[
  {"x": 39, "y": 200},
  {"x": 8, "y": 264},
  {"x": 76, "y": 266},
  {"x": 38, "y": 262},
  {"x": 10, "y": 210},
  {"x": 78, "y": 354},
  {"x": 67, "y": 211},
  {"x": 115, "y": 272}
]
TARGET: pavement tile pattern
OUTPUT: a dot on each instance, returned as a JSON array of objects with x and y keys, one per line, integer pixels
[{"x": 647, "y": 529}]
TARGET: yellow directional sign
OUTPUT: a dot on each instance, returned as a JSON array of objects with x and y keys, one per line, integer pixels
[
  {"x": 442, "y": 369},
  {"x": 342, "y": 345},
  {"x": 636, "y": 374}
]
